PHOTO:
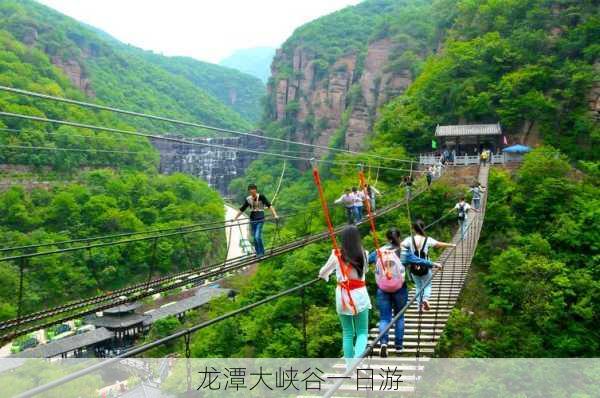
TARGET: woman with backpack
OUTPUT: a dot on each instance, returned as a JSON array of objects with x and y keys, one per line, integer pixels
[
  {"x": 351, "y": 296},
  {"x": 392, "y": 293},
  {"x": 419, "y": 244}
]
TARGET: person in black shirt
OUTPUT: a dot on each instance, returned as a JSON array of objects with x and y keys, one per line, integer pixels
[{"x": 257, "y": 203}]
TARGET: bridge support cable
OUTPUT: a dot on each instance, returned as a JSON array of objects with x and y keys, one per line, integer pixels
[
  {"x": 180, "y": 334},
  {"x": 455, "y": 260},
  {"x": 169, "y": 282},
  {"x": 190, "y": 124},
  {"x": 157, "y": 136}
]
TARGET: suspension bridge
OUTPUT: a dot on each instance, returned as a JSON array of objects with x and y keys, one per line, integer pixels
[{"x": 422, "y": 329}]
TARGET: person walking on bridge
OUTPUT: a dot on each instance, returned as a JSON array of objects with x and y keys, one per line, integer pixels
[
  {"x": 372, "y": 194},
  {"x": 485, "y": 155},
  {"x": 429, "y": 175},
  {"x": 257, "y": 203},
  {"x": 347, "y": 199},
  {"x": 351, "y": 296},
  {"x": 419, "y": 244},
  {"x": 359, "y": 202},
  {"x": 477, "y": 191},
  {"x": 392, "y": 291},
  {"x": 463, "y": 209}
]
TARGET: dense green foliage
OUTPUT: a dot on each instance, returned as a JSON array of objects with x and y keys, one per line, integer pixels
[
  {"x": 103, "y": 203},
  {"x": 276, "y": 329},
  {"x": 239, "y": 91},
  {"x": 527, "y": 64},
  {"x": 128, "y": 77},
  {"x": 30, "y": 69},
  {"x": 537, "y": 275}
]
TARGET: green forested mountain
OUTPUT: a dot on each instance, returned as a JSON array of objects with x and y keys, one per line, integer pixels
[
  {"x": 29, "y": 68},
  {"x": 346, "y": 31},
  {"x": 127, "y": 77},
  {"x": 98, "y": 203},
  {"x": 530, "y": 65},
  {"x": 254, "y": 61},
  {"x": 239, "y": 91}
]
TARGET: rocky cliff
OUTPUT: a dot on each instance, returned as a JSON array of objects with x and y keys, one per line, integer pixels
[{"x": 343, "y": 98}]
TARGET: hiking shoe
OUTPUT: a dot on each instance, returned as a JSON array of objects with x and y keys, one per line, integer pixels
[
  {"x": 383, "y": 351},
  {"x": 398, "y": 349},
  {"x": 426, "y": 306}
]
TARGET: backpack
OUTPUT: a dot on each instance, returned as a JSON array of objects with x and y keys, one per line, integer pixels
[
  {"x": 389, "y": 271},
  {"x": 462, "y": 214},
  {"x": 417, "y": 269}
]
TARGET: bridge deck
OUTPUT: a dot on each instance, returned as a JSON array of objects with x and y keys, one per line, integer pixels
[{"x": 422, "y": 330}]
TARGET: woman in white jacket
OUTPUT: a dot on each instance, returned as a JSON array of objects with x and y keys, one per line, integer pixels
[{"x": 351, "y": 296}]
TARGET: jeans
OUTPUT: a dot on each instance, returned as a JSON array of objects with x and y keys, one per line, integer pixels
[
  {"x": 463, "y": 225},
  {"x": 256, "y": 227},
  {"x": 476, "y": 202},
  {"x": 419, "y": 284},
  {"x": 389, "y": 303},
  {"x": 358, "y": 213},
  {"x": 350, "y": 215},
  {"x": 354, "y": 325}
]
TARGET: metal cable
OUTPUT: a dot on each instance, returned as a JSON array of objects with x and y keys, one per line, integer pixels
[
  {"x": 179, "y": 140},
  {"x": 188, "y": 124}
]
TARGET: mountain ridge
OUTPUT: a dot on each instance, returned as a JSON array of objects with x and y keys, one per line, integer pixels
[{"x": 125, "y": 76}]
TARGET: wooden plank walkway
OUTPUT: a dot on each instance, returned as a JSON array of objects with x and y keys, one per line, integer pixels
[{"x": 422, "y": 330}]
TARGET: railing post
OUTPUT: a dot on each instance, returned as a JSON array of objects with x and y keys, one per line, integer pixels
[
  {"x": 22, "y": 264},
  {"x": 304, "y": 342}
]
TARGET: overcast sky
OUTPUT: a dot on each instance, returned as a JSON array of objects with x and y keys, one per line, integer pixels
[{"x": 207, "y": 30}]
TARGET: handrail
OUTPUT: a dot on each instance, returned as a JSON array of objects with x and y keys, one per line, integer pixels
[
  {"x": 213, "y": 270},
  {"x": 400, "y": 313}
]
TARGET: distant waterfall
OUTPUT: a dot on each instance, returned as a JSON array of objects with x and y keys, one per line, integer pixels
[{"x": 216, "y": 166}]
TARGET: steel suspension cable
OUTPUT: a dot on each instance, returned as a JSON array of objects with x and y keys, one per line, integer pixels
[
  {"x": 216, "y": 270},
  {"x": 180, "y": 140},
  {"x": 120, "y": 235},
  {"x": 184, "y": 123},
  {"x": 104, "y": 244}
]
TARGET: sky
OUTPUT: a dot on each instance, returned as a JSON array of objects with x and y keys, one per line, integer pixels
[{"x": 208, "y": 30}]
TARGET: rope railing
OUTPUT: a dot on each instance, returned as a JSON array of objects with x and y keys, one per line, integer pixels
[
  {"x": 186, "y": 333},
  {"x": 226, "y": 224},
  {"x": 368, "y": 351}
]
